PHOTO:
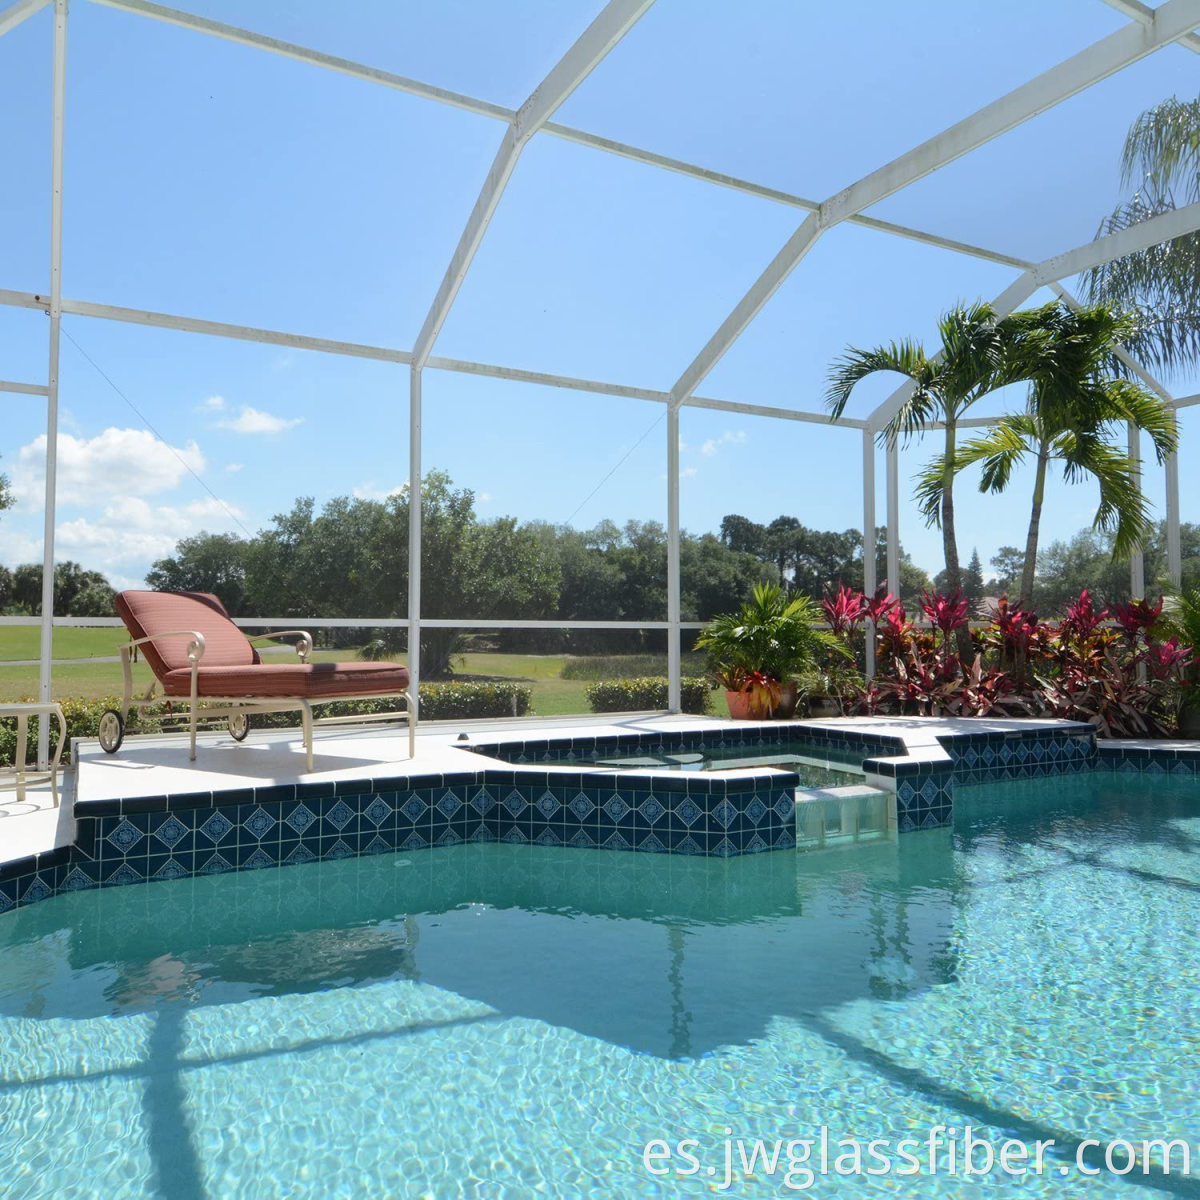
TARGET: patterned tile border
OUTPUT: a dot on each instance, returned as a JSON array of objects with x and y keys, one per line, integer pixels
[{"x": 718, "y": 815}]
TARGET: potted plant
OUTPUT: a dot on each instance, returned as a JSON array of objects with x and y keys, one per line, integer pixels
[{"x": 755, "y": 652}]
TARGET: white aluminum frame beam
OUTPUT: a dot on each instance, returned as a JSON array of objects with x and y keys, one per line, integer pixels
[
  {"x": 1098, "y": 61},
  {"x": 1138, "y": 11},
  {"x": 24, "y": 389},
  {"x": 59, "y": 89},
  {"x": 614, "y": 21},
  {"x": 21, "y": 11},
  {"x": 869, "y": 572},
  {"x": 484, "y": 108}
]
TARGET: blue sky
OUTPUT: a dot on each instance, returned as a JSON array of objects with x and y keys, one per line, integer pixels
[{"x": 215, "y": 181}]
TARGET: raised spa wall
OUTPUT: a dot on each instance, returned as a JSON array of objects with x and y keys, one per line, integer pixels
[{"x": 530, "y": 799}]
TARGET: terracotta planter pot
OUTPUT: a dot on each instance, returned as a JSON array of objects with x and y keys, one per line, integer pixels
[{"x": 739, "y": 706}]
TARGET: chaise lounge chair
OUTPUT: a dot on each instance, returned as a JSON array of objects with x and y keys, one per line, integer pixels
[{"x": 198, "y": 655}]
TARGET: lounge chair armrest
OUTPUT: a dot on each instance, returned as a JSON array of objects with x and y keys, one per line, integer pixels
[
  {"x": 303, "y": 646},
  {"x": 194, "y": 652}
]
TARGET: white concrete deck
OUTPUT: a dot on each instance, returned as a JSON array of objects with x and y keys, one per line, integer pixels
[{"x": 158, "y": 765}]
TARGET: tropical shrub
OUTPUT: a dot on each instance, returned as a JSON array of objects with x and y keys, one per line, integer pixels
[
  {"x": 1107, "y": 666},
  {"x": 647, "y": 694}
]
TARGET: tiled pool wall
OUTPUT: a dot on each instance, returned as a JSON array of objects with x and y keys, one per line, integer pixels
[{"x": 168, "y": 837}]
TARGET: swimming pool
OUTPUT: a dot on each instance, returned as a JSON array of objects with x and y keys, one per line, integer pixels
[
  {"x": 509, "y": 1020},
  {"x": 815, "y": 766}
]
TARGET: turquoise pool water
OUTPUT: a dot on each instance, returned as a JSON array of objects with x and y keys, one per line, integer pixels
[
  {"x": 491, "y": 1020},
  {"x": 817, "y": 766}
]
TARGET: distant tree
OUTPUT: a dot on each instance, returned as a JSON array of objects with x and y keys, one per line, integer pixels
[
  {"x": 1008, "y": 563},
  {"x": 6, "y": 497},
  {"x": 77, "y": 592},
  {"x": 744, "y": 536},
  {"x": 973, "y": 578},
  {"x": 206, "y": 562}
]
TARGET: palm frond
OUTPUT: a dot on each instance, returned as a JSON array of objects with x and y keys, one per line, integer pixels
[
  {"x": 1001, "y": 448},
  {"x": 1163, "y": 148},
  {"x": 902, "y": 358}
]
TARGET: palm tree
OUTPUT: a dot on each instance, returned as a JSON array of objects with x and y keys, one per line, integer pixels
[
  {"x": 976, "y": 359},
  {"x": 1076, "y": 404},
  {"x": 1161, "y": 157}
]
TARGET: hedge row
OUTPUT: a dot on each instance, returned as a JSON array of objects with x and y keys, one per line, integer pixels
[
  {"x": 648, "y": 693},
  {"x": 439, "y": 702}
]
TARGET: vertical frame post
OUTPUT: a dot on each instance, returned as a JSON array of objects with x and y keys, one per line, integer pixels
[
  {"x": 414, "y": 530},
  {"x": 869, "y": 571},
  {"x": 1174, "y": 552},
  {"x": 56, "y": 185},
  {"x": 893, "y": 520},
  {"x": 674, "y": 702},
  {"x": 1137, "y": 560}
]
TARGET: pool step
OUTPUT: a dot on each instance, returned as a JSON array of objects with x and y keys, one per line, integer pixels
[{"x": 837, "y": 816}]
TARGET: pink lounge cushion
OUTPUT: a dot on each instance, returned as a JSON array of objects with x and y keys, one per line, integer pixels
[
  {"x": 306, "y": 681},
  {"x": 149, "y": 613}
]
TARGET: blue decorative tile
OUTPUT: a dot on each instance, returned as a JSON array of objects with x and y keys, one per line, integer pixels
[
  {"x": 414, "y": 808},
  {"x": 217, "y": 826},
  {"x": 125, "y": 836},
  {"x": 615, "y": 807},
  {"x": 377, "y": 811},
  {"x": 615, "y": 841},
  {"x": 77, "y": 881},
  {"x": 377, "y": 845},
  {"x": 548, "y": 804},
  {"x": 171, "y": 831},
  {"x": 449, "y": 804},
  {"x": 483, "y": 801},
  {"x": 300, "y": 818},
  {"x": 259, "y": 823},
  {"x": 688, "y": 811},
  {"x": 581, "y": 806},
  {"x": 215, "y": 865},
  {"x": 301, "y": 854},
  {"x": 125, "y": 874},
  {"x": 581, "y": 838},
  {"x": 515, "y": 802},
  {"x": 339, "y": 849},
  {"x": 724, "y": 814},
  {"x": 171, "y": 869},
  {"x": 340, "y": 815}
]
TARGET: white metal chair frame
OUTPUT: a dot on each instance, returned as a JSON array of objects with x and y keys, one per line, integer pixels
[{"x": 236, "y": 709}]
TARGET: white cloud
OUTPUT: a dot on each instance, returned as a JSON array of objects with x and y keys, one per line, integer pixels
[
  {"x": 118, "y": 462},
  {"x": 731, "y": 437},
  {"x": 130, "y": 534},
  {"x": 212, "y": 404},
  {"x": 368, "y": 491},
  {"x": 485, "y": 497},
  {"x": 251, "y": 420},
  {"x": 688, "y": 472},
  {"x": 231, "y": 467}
]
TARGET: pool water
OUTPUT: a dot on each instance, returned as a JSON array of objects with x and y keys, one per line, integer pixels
[
  {"x": 816, "y": 766},
  {"x": 512, "y": 1021}
]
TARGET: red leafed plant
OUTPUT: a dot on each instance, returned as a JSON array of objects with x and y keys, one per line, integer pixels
[
  {"x": 846, "y": 610},
  {"x": 1100, "y": 665}
]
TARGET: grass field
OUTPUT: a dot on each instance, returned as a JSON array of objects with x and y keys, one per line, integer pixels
[{"x": 552, "y": 694}]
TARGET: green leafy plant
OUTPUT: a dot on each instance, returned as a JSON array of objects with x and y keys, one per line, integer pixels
[
  {"x": 649, "y": 693},
  {"x": 770, "y": 634}
]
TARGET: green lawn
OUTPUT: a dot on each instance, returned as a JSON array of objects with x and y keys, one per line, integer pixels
[{"x": 552, "y": 695}]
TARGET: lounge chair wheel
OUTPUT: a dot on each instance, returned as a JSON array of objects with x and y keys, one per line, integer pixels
[
  {"x": 111, "y": 730},
  {"x": 239, "y": 726}
]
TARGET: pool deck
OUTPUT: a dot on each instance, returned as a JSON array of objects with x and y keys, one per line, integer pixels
[{"x": 157, "y": 765}]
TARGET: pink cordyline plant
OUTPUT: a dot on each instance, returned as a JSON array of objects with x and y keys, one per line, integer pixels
[
  {"x": 1082, "y": 620},
  {"x": 846, "y": 610},
  {"x": 881, "y": 605},
  {"x": 1136, "y": 616},
  {"x": 1164, "y": 659},
  {"x": 947, "y": 613}
]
